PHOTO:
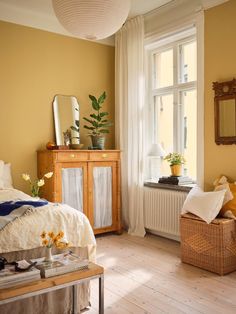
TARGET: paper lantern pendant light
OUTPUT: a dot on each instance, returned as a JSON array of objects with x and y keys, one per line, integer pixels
[{"x": 91, "y": 19}]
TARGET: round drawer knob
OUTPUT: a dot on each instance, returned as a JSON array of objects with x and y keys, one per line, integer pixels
[
  {"x": 104, "y": 155},
  {"x": 72, "y": 155}
]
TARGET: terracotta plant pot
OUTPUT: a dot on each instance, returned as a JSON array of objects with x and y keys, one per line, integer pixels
[{"x": 176, "y": 170}]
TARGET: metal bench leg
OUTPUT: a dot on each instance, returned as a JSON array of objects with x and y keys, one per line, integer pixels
[
  {"x": 76, "y": 308},
  {"x": 101, "y": 294}
]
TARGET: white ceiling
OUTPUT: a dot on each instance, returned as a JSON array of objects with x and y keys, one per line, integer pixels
[
  {"x": 143, "y": 6},
  {"x": 39, "y": 13}
]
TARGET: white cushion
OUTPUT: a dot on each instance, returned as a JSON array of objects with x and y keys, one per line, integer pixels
[
  {"x": 1, "y": 184},
  {"x": 5, "y": 176},
  {"x": 205, "y": 205},
  {"x": 13, "y": 195},
  {"x": 228, "y": 194},
  {"x": 1, "y": 174}
]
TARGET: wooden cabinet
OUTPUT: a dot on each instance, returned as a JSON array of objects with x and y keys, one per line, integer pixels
[{"x": 86, "y": 180}]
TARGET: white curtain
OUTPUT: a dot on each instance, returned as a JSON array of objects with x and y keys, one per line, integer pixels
[
  {"x": 72, "y": 187},
  {"x": 130, "y": 120},
  {"x": 102, "y": 187}
]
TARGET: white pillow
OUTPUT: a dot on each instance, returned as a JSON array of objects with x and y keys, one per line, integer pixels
[
  {"x": 1, "y": 184},
  {"x": 13, "y": 195},
  {"x": 6, "y": 177},
  {"x": 205, "y": 205},
  {"x": 1, "y": 174},
  {"x": 228, "y": 194}
]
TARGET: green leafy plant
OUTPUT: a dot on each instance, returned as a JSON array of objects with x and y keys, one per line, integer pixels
[
  {"x": 98, "y": 123},
  {"x": 76, "y": 127},
  {"x": 175, "y": 159}
]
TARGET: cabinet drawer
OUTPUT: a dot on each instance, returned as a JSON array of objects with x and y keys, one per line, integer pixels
[
  {"x": 98, "y": 156},
  {"x": 72, "y": 156}
]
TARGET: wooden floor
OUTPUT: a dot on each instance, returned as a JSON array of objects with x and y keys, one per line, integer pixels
[{"x": 145, "y": 275}]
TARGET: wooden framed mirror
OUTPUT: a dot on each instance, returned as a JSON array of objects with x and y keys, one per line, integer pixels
[{"x": 225, "y": 112}]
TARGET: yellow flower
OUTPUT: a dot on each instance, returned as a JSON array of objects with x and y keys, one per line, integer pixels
[
  {"x": 51, "y": 234},
  {"x": 62, "y": 245},
  {"x": 48, "y": 175},
  {"x": 25, "y": 176},
  {"x": 49, "y": 239},
  {"x": 58, "y": 245},
  {"x": 55, "y": 240},
  {"x": 45, "y": 242},
  {"x": 43, "y": 235},
  {"x": 36, "y": 184},
  {"x": 40, "y": 182},
  {"x": 60, "y": 235}
]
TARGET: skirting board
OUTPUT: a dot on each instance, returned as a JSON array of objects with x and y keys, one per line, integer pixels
[{"x": 164, "y": 235}]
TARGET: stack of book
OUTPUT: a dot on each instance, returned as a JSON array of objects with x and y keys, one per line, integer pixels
[
  {"x": 175, "y": 180},
  {"x": 9, "y": 277},
  {"x": 61, "y": 264}
]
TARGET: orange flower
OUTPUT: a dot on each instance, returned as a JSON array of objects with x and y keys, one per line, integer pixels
[
  {"x": 51, "y": 234},
  {"x": 45, "y": 242},
  {"x": 58, "y": 245},
  {"x": 55, "y": 240},
  {"x": 62, "y": 245},
  {"x": 50, "y": 238},
  {"x": 60, "y": 234},
  {"x": 43, "y": 235}
]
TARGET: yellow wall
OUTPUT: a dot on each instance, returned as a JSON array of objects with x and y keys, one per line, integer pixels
[
  {"x": 34, "y": 66},
  {"x": 220, "y": 65}
]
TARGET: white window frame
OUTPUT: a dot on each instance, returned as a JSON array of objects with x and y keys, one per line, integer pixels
[
  {"x": 160, "y": 39},
  {"x": 174, "y": 89}
]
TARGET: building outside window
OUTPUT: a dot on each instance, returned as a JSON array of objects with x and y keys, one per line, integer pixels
[{"x": 173, "y": 99}]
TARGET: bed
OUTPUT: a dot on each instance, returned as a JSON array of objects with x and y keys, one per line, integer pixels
[{"x": 20, "y": 239}]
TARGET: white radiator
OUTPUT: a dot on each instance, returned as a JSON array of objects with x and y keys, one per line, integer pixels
[{"x": 162, "y": 210}]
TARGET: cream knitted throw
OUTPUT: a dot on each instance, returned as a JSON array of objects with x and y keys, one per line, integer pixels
[{"x": 24, "y": 233}]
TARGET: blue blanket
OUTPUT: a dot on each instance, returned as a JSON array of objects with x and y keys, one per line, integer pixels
[
  {"x": 7, "y": 207},
  {"x": 10, "y": 211}
]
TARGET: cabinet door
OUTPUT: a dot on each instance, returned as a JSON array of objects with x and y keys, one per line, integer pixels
[
  {"x": 102, "y": 185},
  {"x": 72, "y": 185}
]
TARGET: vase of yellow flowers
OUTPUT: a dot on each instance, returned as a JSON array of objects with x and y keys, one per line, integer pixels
[
  {"x": 50, "y": 239},
  {"x": 37, "y": 184}
]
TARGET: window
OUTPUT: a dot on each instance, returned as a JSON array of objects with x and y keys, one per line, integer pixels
[{"x": 173, "y": 98}]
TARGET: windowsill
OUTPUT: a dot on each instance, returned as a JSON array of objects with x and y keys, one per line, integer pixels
[{"x": 155, "y": 184}]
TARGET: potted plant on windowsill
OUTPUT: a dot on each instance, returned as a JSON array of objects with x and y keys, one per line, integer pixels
[
  {"x": 175, "y": 160},
  {"x": 98, "y": 123}
]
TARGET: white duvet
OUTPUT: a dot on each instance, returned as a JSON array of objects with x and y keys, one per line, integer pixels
[{"x": 24, "y": 232}]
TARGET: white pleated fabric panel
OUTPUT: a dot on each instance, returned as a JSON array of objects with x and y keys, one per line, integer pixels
[
  {"x": 130, "y": 118},
  {"x": 72, "y": 187},
  {"x": 91, "y": 19},
  {"x": 102, "y": 192}
]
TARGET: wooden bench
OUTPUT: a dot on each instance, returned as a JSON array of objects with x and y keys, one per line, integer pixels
[{"x": 41, "y": 286}]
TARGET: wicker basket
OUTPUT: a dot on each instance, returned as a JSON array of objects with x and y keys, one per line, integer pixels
[{"x": 209, "y": 246}]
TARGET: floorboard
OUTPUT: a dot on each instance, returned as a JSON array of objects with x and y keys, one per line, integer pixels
[{"x": 145, "y": 275}]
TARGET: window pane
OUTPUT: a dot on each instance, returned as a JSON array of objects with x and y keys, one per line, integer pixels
[
  {"x": 163, "y": 69},
  {"x": 189, "y": 132},
  {"x": 188, "y": 62},
  {"x": 164, "y": 115}
]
